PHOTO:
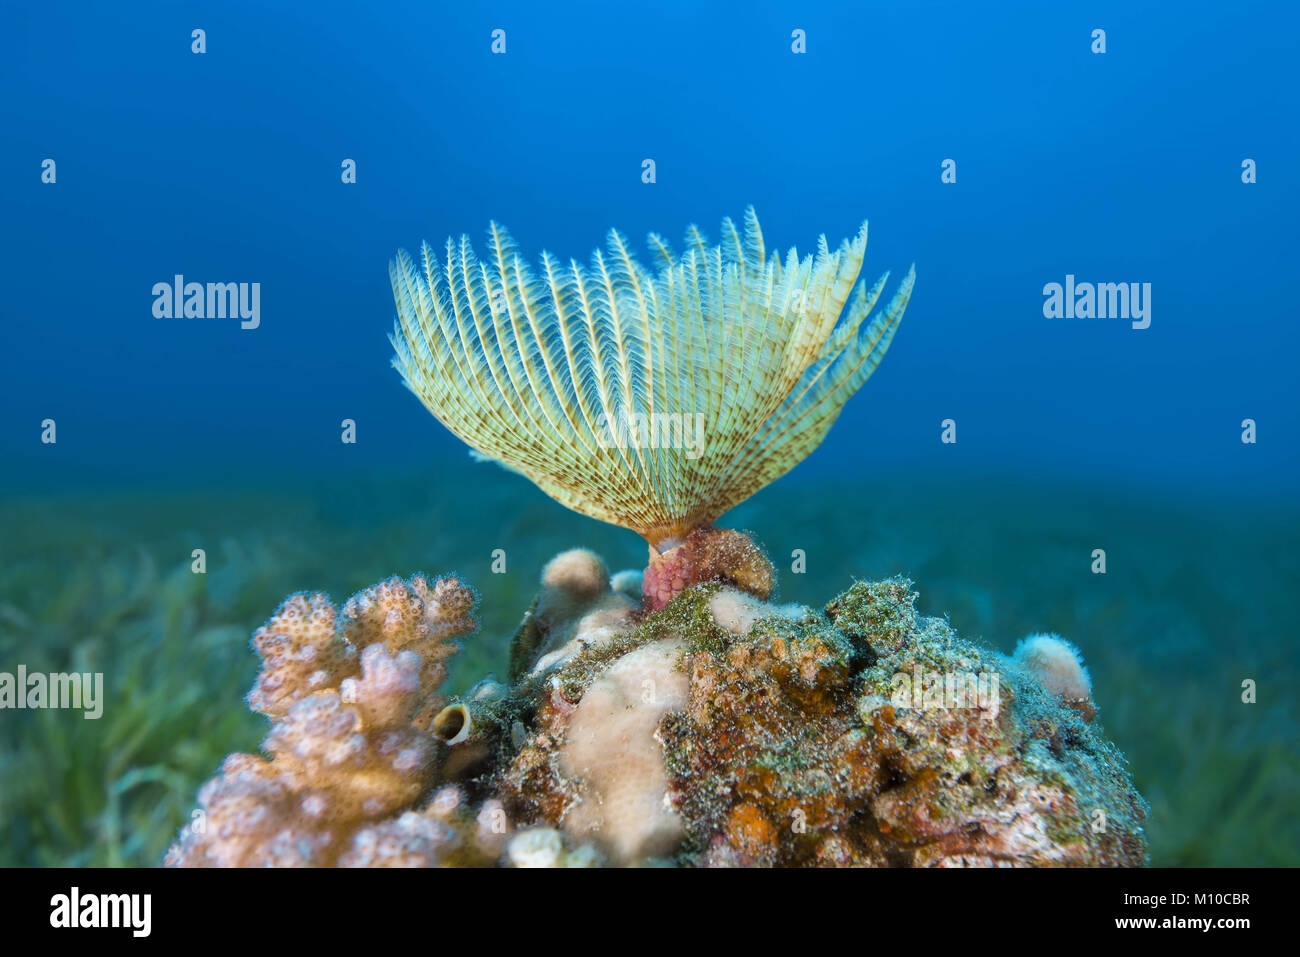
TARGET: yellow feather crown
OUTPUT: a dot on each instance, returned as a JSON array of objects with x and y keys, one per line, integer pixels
[{"x": 654, "y": 401}]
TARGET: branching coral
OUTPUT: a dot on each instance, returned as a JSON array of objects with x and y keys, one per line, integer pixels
[{"x": 350, "y": 695}]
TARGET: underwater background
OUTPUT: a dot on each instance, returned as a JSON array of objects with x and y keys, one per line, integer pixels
[{"x": 1072, "y": 434}]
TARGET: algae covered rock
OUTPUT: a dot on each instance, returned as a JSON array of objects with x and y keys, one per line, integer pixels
[{"x": 863, "y": 735}]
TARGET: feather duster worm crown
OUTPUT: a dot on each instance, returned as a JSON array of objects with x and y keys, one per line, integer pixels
[{"x": 651, "y": 400}]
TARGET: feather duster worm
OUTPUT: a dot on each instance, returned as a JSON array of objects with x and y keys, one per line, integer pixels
[{"x": 651, "y": 400}]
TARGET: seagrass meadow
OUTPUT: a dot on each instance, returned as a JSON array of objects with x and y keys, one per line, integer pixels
[{"x": 1189, "y": 609}]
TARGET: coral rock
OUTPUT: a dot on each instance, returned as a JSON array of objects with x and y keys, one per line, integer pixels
[
  {"x": 865, "y": 736},
  {"x": 719, "y": 730}
]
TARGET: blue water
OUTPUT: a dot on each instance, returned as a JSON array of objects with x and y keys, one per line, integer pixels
[{"x": 1115, "y": 167}]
